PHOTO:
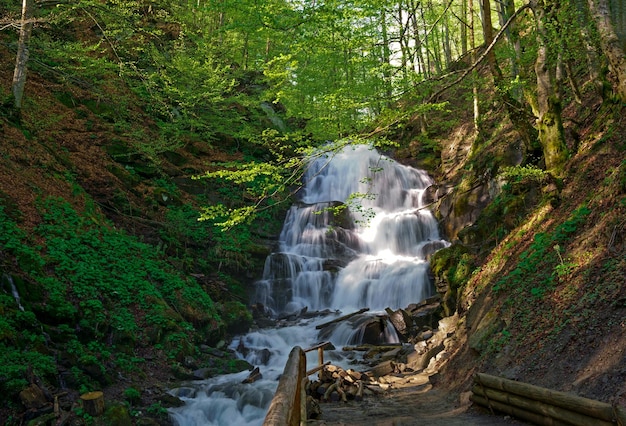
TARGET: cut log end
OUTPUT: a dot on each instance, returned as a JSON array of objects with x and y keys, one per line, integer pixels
[{"x": 93, "y": 403}]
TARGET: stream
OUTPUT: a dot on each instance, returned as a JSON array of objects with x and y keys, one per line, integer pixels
[{"x": 329, "y": 262}]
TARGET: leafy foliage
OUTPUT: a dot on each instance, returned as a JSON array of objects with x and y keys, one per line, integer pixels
[{"x": 96, "y": 285}]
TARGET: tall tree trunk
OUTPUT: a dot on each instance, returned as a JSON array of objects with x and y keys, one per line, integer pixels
[
  {"x": 548, "y": 103},
  {"x": 516, "y": 111},
  {"x": 611, "y": 45},
  {"x": 21, "y": 61},
  {"x": 474, "y": 72},
  {"x": 422, "y": 66},
  {"x": 464, "y": 27},
  {"x": 386, "y": 57},
  {"x": 488, "y": 36}
]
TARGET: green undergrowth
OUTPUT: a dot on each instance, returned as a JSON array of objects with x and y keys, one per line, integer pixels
[
  {"x": 541, "y": 265},
  {"x": 90, "y": 296}
]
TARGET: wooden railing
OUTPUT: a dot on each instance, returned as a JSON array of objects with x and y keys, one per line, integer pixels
[
  {"x": 288, "y": 407},
  {"x": 543, "y": 406}
]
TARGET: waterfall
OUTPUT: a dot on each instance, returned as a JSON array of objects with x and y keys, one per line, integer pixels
[
  {"x": 16, "y": 295},
  {"x": 358, "y": 237}
]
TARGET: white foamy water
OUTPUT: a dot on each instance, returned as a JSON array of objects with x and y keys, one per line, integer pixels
[{"x": 372, "y": 257}]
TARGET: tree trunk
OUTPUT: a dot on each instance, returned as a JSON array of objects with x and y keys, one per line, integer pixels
[
  {"x": 515, "y": 109},
  {"x": 611, "y": 45},
  {"x": 464, "y": 26},
  {"x": 93, "y": 403},
  {"x": 488, "y": 35},
  {"x": 474, "y": 72},
  {"x": 548, "y": 103},
  {"x": 386, "y": 57},
  {"x": 21, "y": 61}
]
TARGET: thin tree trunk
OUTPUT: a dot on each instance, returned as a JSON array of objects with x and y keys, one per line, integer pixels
[
  {"x": 422, "y": 66},
  {"x": 21, "y": 61},
  {"x": 470, "y": 6},
  {"x": 515, "y": 109},
  {"x": 386, "y": 57},
  {"x": 611, "y": 45}
]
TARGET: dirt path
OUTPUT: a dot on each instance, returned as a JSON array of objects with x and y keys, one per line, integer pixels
[{"x": 410, "y": 401}]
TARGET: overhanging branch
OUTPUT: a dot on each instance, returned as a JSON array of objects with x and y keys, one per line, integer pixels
[{"x": 483, "y": 56}]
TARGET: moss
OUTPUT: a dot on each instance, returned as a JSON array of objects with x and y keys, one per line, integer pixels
[
  {"x": 116, "y": 414},
  {"x": 452, "y": 268},
  {"x": 237, "y": 317}
]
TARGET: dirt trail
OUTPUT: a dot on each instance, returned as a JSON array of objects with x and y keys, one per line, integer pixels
[{"x": 411, "y": 400}]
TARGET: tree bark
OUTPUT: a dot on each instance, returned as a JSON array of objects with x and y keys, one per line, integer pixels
[
  {"x": 93, "y": 403},
  {"x": 611, "y": 46},
  {"x": 548, "y": 103},
  {"x": 515, "y": 109},
  {"x": 476, "y": 103},
  {"x": 21, "y": 61}
]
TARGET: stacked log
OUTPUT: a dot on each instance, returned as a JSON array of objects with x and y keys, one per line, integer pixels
[
  {"x": 542, "y": 406},
  {"x": 336, "y": 384}
]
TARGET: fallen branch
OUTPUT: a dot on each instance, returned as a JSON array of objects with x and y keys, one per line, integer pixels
[{"x": 345, "y": 317}]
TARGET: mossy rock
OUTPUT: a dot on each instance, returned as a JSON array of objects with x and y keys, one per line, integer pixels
[
  {"x": 116, "y": 414},
  {"x": 237, "y": 317},
  {"x": 452, "y": 267},
  {"x": 129, "y": 179},
  {"x": 120, "y": 151},
  {"x": 175, "y": 158}
]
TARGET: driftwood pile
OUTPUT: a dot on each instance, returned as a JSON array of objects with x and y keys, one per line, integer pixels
[{"x": 334, "y": 384}]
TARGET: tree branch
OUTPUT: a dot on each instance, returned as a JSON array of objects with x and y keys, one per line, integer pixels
[{"x": 483, "y": 56}]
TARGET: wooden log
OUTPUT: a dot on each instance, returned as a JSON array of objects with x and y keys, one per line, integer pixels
[
  {"x": 285, "y": 406},
  {"x": 561, "y": 414},
  {"x": 373, "y": 348},
  {"x": 359, "y": 393},
  {"x": 352, "y": 390},
  {"x": 329, "y": 391},
  {"x": 356, "y": 375},
  {"x": 93, "y": 403},
  {"x": 304, "y": 415},
  {"x": 318, "y": 346},
  {"x": 340, "y": 391},
  {"x": 588, "y": 407},
  {"x": 345, "y": 317},
  {"x": 519, "y": 413},
  {"x": 620, "y": 415},
  {"x": 318, "y": 368}
]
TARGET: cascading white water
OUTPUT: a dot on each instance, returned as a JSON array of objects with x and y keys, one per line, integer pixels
[
  {"x": 16, "y": 295},
  {"x": 372, "y": 256}
]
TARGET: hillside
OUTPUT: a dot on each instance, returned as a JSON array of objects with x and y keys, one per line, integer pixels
[
  {"x": 122, "y": 289},
  {"x": 544, "y": 300}
]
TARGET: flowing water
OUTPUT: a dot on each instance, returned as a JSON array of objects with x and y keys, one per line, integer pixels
[
  {"x": 16, "y": 295},
  {"x": 329, "y": 260}
]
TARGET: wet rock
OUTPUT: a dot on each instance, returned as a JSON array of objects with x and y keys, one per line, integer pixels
[
  {"x": 183, "y": 392},
  {"x": 402, "y": 322},
  {"x": 373, "y": 332},
  {"x": 172, "y": 401},
  {"x": 253, "y": 376},
  {"x": 203, "y": 373}
]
